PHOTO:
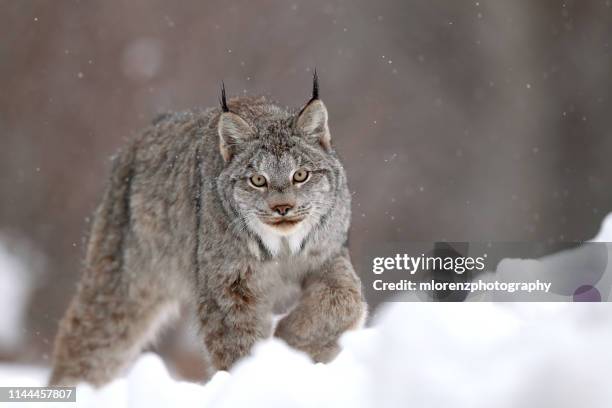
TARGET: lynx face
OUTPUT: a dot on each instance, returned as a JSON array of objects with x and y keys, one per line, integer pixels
[
  {"x": 284, "y": 194},
  {"x": 280, "y": 174}
]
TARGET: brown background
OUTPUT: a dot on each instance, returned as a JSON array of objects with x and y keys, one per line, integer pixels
[{"x": 457, "y": 120}]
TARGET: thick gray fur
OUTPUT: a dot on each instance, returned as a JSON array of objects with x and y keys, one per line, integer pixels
[{"x": 180, "y": 223}]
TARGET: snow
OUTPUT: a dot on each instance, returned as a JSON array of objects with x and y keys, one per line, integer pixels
[
  {"x": 418, "y": 354},
  {"x": 15, "y": 289},
  {"x": 24, "y": 376},
  {"x": 605, "y": 232},
  {"x": 474, "y": 355}
]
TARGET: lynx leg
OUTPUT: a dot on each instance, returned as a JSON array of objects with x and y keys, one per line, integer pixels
[
  {"x": 233, "y": 320},
  {"x": 103, "y": 330},
  {"x": 331, "y": 303}
]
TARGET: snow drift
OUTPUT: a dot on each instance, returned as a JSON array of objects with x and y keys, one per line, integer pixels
[{"x": 418, "y": 354}]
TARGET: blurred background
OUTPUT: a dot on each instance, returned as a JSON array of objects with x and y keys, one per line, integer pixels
[{"x": 457, "y": 120}]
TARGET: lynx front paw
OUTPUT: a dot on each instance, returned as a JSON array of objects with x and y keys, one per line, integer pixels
[{"x": 296, "y": 334}]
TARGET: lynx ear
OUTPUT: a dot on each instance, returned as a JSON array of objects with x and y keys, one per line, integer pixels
[
  {"x": 312, "y": 119},
  {"x": 232, "y": 130}
]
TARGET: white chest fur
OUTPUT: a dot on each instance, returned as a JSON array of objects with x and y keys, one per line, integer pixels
[{"x": 277, "y": 242}]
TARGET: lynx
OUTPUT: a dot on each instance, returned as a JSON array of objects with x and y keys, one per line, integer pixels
[{"x": 239, "y": 212}]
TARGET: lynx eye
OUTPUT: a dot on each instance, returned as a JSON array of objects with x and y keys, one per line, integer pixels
[
  {"x": 300, "y": 175},
  {"x": 258, "y": 180}
]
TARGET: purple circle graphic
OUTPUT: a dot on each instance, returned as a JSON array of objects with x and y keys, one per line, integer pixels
[{"x": 587, "y": 293}]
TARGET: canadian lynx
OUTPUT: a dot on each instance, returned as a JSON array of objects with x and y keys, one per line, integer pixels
[{"x": 240, "y": 212}]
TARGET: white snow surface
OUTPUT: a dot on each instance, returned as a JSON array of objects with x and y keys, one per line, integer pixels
[
  {"x": 476, "y": 355},
  {"x": 15, "y": 290},
  {"x": 605, "y": 232}
]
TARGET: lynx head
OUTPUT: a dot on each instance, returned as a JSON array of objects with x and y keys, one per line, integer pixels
[{"x": 280, "y": 175}]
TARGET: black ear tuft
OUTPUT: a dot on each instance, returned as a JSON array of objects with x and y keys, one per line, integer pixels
[
  {"x": 315, "y": 85},
  {"x": 223, "y": 101}
]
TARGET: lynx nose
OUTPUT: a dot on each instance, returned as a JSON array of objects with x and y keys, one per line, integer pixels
[{"x": 282, "y": 209}]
